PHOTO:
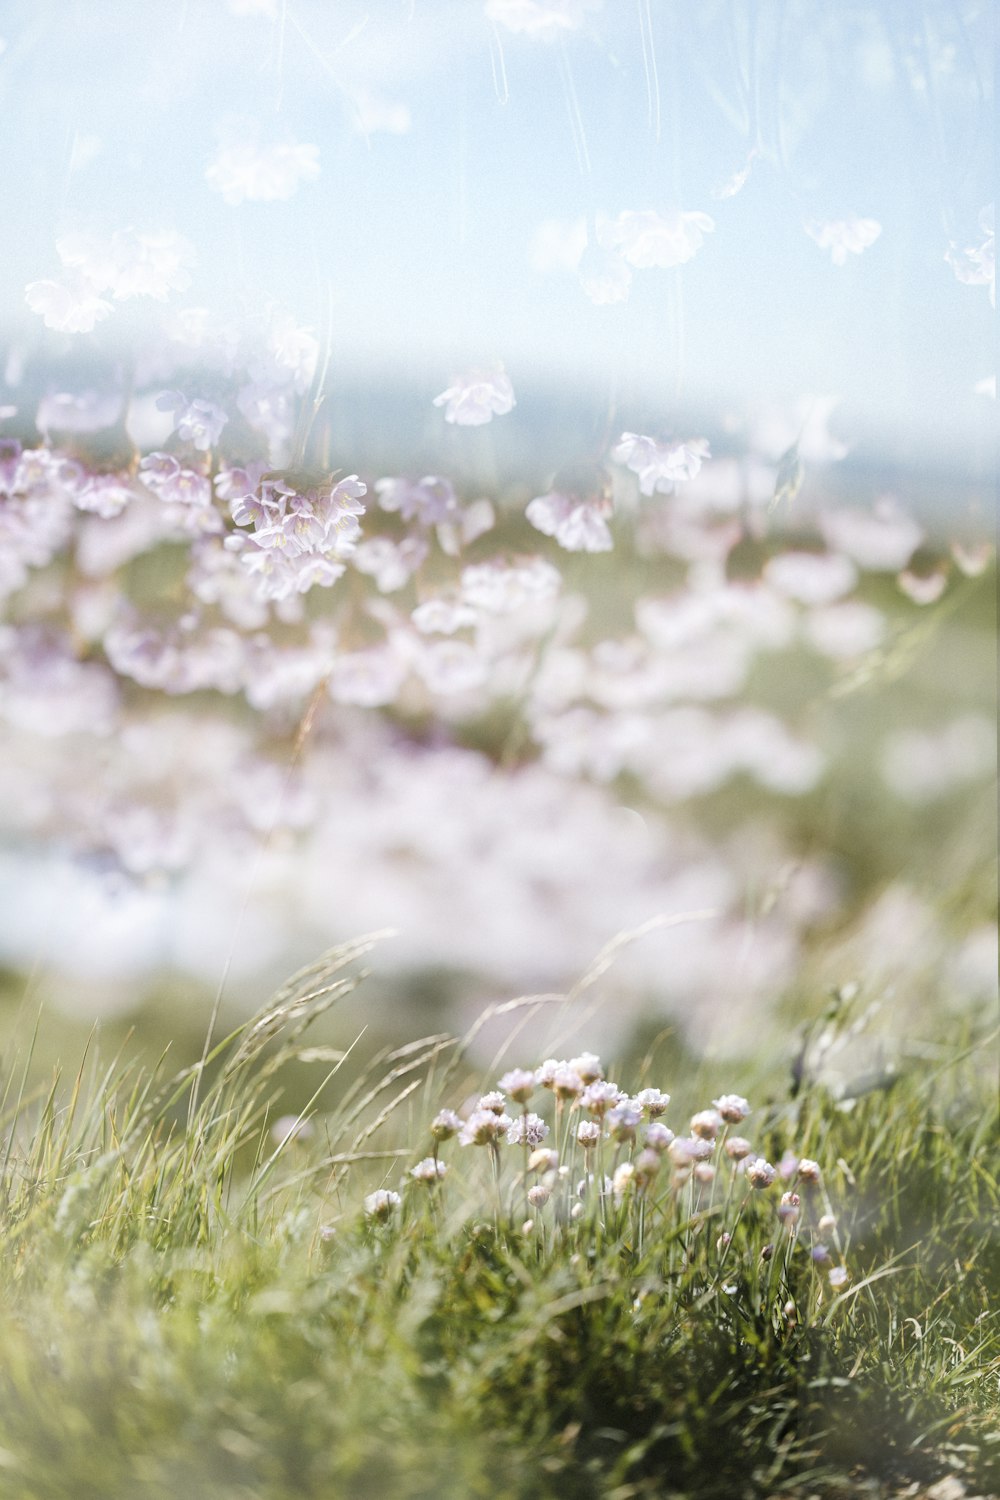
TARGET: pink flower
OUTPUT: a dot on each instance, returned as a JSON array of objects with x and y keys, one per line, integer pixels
[
  {"x": 477, "y": 397},
  {"x": 198, "y": 422},
  {"x": 843, "y": 236},
  {"x": 647, "y": 238}
]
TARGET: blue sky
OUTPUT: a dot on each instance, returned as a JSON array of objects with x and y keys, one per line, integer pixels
[{"x": 421, "y": 242}]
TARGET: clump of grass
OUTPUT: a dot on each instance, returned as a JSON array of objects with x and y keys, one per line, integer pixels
[{"x": 353, "y": 1302}]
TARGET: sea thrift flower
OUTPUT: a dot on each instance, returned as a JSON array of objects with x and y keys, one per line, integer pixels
[
  {"x": 653, "y": 1102},
  {"x": 843, "y": 236},
  {"x": 808, "y": 1171},
  {"x": 543, "y": 1160},
  {"x": 588, "y": 1134},
  {"x": 484, "y": 1127},
  {"x": 600, "y": 1096},
  {"x": 623, "y": 1121},
  {"x": 519, "y": 1083},
  {"x": 577, "y": 525},
  {"x": 760, "y": 1173},
  {"x": 838, "y": 1276},
  {"x": 623, "y": 1179},
  {"x": 529, "y": 1128},
  {"x": 566, "y": 1083},
  {"x": 658, "y": 1136},
  {"x": 648, "y": 239},
  {"x": 245, "y": 171},
  {"x": 588, "y": 1065},
  {"x": 445, "y": 1124},
  {"x": 539, "y": 1195},
  {"x": 732, "y": 1107},
  {"x": 381, "y": 1204},
  {"x": 820, "y": 1255},
  {"x": 704, "y": 1171},
  {"x": 827, "y": 1224},
  {"x": 494, "y": 1101},
  {"x": 198, "y": 422},
  {"x": 477, "y": 397},
  {"x": 706, "y": 1124},
  {"x": 68, "y": 307},
  {"x": 647, "y": 1164},
  {"x": 660, "y": 466},
  {"x": 738, "y": 1147},
  {"x": 788, "y": 1208},
  {"x": 976, "y": 265},
  {"x": 429, "y": 1170},
  {"x": 545, "y": 19}
]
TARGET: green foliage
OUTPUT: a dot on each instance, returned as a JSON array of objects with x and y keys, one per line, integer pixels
[{"x": 188, "y": 1306}]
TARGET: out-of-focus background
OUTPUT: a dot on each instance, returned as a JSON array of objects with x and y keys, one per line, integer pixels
[{"x": 764, "y": 703}]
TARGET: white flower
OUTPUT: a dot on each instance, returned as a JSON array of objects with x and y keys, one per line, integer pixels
[
  {"x": 484, "y": 1127},
  {"x": 760, "y": 1173},
  {"x": 588, "y": 1065},
  {"x": 519, "y": 1083},
  {"x": 477, "y": 397},
  {"x": 540, "y": 18},
  {"x": 843, "y": 236},
  {"x": 706, "y": 1124},
  {"x": 660, "y": 466},
  {"x": 198, "y": 422},
  {"x": 883, "y": 539},
  {"x": 732, "y": 1107},
  {"x": 501, "y": 588},
  {"x": 604, "y": 276},
  {"x": 244, "y": 171},
  {"x": 811, "y": 577},
  {"x": 68, "y": 308},
  {"x": 588, "y": 1133},
  {"x": 428, "y": 1170},
  {"x": 838, "y": 1276},
  {"x": 445, "y": 1124},
  {"x": 578, "y": 525},
  {"x": 976, "y": 265},
  {"x": 647, "y": 238},
  {"x": 380, "y": 1205},
  {"x": 130, "y": 263},
  {"x": 529, "y": 1128},
  {"x": 652, "y": 1101}
]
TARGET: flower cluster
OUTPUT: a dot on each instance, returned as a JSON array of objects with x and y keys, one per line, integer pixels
[{"x": 613, "y": 1154}]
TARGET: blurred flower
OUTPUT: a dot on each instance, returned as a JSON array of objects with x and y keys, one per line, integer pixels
[
  {"x": 68, "y": 307},
  {"x": 843, "y": 236},
  {"x": 706, "y": 1124},
  {"x": 976, "y": 265},
  {"x": 578, "y": 525},
  {"x": 445, "y": 1124},
  {"x": 198, "y": 422},
  {"x": 588, "y": 1133},
  {"x": 732, "y": 1107},
  {"x": 477, "y": 397},
  {"x": 245, "y": 171},
  {"x": 429, "y": 1170},
  {"x": 883, "y": 539},
  {"x": 604, "y": 275},
  {"x": 647, "y": 238},
  {"x": 660, "y": 466},
  {"x": 545, "y": 19},
  {"x": 381, "y": 1204},
  {"x": 130, "y": 263},
  {"x": 811, "y": 577}
]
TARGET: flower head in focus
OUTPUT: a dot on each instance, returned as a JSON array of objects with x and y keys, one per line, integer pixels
[{"x": 477, "y": 397}]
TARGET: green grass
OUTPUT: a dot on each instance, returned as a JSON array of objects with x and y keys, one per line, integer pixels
[{"x": 188, "y": 1309}]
